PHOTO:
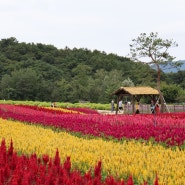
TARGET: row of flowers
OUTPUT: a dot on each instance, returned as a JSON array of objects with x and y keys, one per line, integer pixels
[
  {"x": 168, "y": 128},
  {"x": 27, "y": 170},
  {"x": 60, "y": 110},
  {"x": 141, "y": 160}
]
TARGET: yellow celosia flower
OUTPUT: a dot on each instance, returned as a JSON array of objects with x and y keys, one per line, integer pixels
[
  {"x": 64, "y": 110},
  {"x": 141, "y": 160}
]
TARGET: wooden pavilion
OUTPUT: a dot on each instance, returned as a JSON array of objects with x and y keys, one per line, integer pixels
[{"x": 135, "y": 93}]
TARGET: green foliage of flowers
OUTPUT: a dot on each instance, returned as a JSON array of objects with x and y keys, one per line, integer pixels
[{"x": 97, "y": 106}]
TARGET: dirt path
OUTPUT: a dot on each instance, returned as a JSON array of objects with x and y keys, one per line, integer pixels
[
  {"x": 105, "y": 112},
  {"x": 108, "y": 112}
]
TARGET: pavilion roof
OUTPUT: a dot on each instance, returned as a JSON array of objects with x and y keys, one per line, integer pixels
[{"x": 146, "y": 90}]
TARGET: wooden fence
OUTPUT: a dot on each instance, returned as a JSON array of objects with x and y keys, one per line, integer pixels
[{"x": 145, "y": 108}]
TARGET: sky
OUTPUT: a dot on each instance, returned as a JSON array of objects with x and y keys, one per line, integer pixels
[{"x": 105, "y": 25}]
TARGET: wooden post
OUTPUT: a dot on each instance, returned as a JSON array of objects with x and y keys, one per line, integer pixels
[
  {"x": 133, "y": 104},
  {"x": 117, "y": 104}
]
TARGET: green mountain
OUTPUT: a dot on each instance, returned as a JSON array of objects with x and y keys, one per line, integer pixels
[{"x": 42, "y": 72}]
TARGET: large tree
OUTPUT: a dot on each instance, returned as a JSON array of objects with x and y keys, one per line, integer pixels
[
  {"x": 151, "y": 49},
  {"x": 22, "y": 84}
]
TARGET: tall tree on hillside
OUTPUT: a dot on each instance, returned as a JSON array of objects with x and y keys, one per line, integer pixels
[
  {"x": 22, "y": 84},
  {"x": 80, "y": 82},
  {"x": 151, "y": 49},
  {"x": 127, "y": 83}
]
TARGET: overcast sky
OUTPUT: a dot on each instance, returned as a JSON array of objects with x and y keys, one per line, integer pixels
[{"x": 105, "y": 25}]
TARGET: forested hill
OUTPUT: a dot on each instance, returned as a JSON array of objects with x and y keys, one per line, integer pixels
[{"x": 42, "y": 72}]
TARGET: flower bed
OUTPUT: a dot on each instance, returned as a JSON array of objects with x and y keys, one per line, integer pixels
[
  {"x": 132, "y": 156},
  {"x": 29, "y": 170},
  {"x": 166, "y": 128}
]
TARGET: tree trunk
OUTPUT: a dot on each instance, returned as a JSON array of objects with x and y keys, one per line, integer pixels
[{"x": 159, "y": 87}]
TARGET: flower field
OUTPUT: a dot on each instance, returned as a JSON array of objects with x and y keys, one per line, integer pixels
[{"x": 93, "y": 148}]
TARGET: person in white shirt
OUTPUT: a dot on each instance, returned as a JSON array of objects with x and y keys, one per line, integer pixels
[{"x": 120, "y": 105}]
